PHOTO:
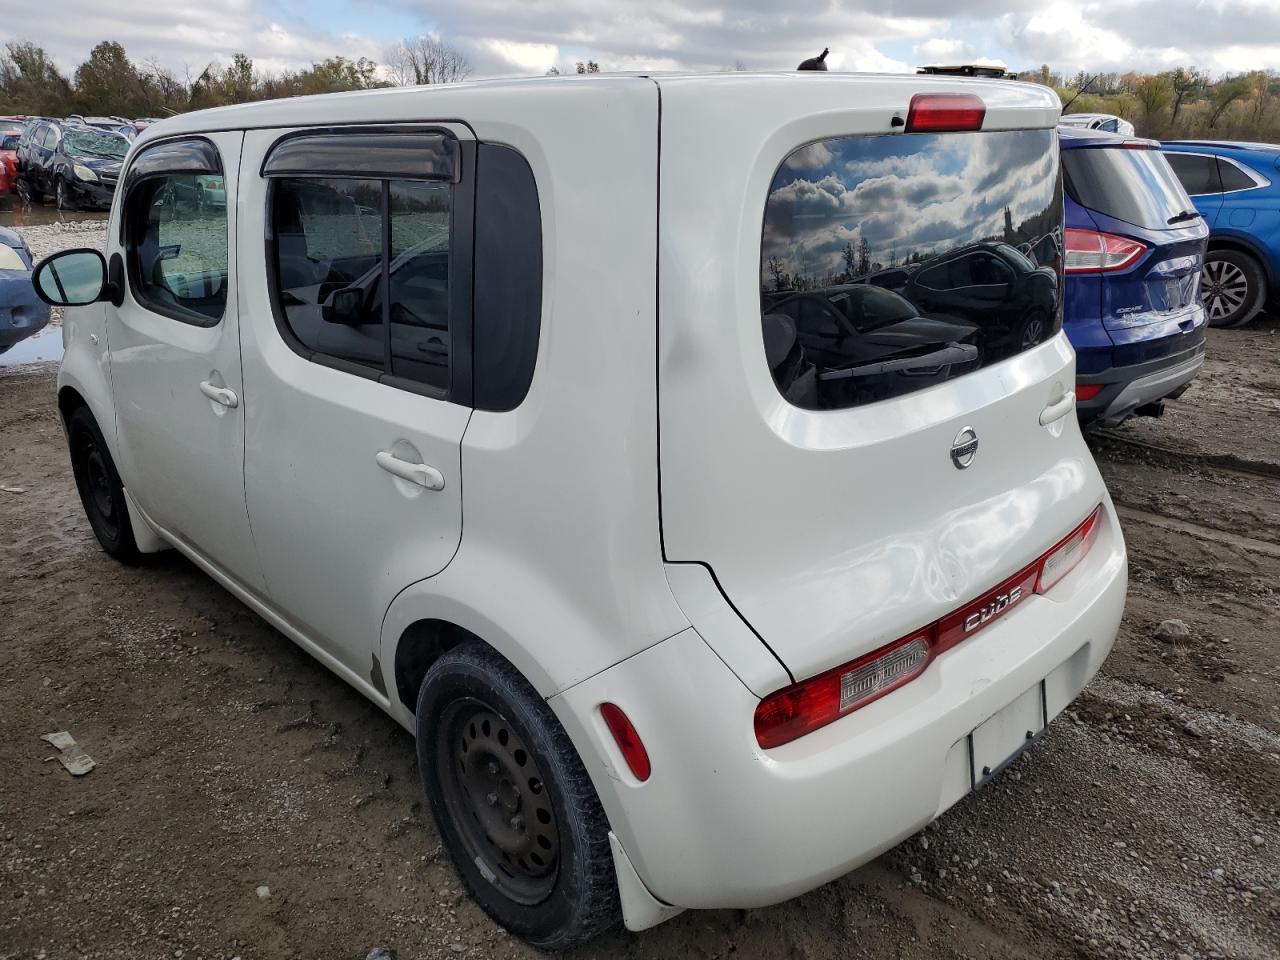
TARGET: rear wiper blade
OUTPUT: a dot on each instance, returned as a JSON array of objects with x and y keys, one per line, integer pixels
[
  {"x": 951, "y": 353},
  {"x": 1185, "y": 215}
]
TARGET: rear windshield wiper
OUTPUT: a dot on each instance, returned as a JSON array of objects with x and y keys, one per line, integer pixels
[
  {"x": 951, "y": 353},
  {"x": 1185, "y": 215}
]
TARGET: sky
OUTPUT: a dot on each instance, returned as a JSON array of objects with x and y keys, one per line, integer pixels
[{"x": 522, "y": 37}]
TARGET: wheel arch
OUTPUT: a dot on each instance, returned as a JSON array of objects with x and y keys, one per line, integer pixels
[{"x": 1246, "y": 245}]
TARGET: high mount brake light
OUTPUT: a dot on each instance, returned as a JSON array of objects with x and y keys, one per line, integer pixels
[
  {"x": 945, "y": 113},
  {"x": 1091, "y": 251},
  {"x": 805, "y": 706}
]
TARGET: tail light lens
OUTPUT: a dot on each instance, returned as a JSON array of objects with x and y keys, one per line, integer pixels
[
  {"x": 1087, "y": 391},
  {"x": 803, "y": 707},
  {"x": 1091, "y": 251},
  {"x": 945, "y": 112},
  {"x": 1060, "y": 561},
  {"x": 627, "y": 739}
]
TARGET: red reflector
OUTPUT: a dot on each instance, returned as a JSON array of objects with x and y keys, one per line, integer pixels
[
  {"x": 628, "y": 741},
  {"x": 945, "y": 112},
  {"x": 1089, "y": 251},
  {"x": 805, "y": 706},
  {"x": 1087, "y": 391}
]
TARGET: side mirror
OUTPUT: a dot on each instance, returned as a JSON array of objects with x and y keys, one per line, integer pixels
[
  {"x": 72, "y": 278},
  {"x": 343, "y": 306}
]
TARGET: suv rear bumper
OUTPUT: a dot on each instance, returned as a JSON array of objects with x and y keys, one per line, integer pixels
[
  {"x": 1124, "y": 389},
  {"x": 722, "y": 823}
]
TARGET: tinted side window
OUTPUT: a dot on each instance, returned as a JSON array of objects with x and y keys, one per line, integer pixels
[
  {"x": 946, "y": 211},
  {"x": 177, "y": 249},
  {"x": 328, "y": 240},
  {"x": 508, "y": 278},
  {"x": 1233, "y": 178},
  {"x": 362, "y": 272},
  {"x": 1199, "y": 174}
]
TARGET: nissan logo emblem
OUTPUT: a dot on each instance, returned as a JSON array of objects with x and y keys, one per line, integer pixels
[{"x": 964, "y": 448}]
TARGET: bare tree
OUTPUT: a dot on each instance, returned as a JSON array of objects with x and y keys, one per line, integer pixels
[{"x": 426, "y": 59}]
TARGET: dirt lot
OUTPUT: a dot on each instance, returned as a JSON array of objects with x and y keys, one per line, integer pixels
[{"x": 1144, "y": 825}]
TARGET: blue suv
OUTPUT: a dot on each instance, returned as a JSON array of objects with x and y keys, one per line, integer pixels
[
  {"x": 1234, "y": 185},
  {"x": 1134, "y": 246}
]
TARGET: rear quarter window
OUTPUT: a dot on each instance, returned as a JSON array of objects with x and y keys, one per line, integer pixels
[{"x": 894, "y": 263}]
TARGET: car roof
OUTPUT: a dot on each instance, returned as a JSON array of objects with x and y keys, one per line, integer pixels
[
  {"x": 1212, "y": 145},
  {"x": 1069, "y": 137},
  {"x": 372, "y": 106}
]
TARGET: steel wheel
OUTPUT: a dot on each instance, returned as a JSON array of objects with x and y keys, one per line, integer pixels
[
  {"x": 98, "y": 495},
  {"x": 1225, "y": 289},
  {"x": 496, "y": 796}
]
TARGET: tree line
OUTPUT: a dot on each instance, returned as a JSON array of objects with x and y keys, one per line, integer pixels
[
  {"x": 110, "y": 83},
  {"x": 1182, "y": 103}
]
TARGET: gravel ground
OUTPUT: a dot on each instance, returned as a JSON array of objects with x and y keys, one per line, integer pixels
[{"x": 248, "y": 804}]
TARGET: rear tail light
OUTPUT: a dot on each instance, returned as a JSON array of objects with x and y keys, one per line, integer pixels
[
  {"x": 804, "y": 707},
  {"x": 1090, "y": 251},
  {"x": 1059, "y": 561},
  {"x": 627, "y": 739},
  {"x": 1087, "y": 391},
  {"x": 945, "y": 112}
]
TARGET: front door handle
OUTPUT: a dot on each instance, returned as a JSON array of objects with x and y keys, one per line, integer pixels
[
  {"x": 1058, "y": 409},
  {"x": 419, "y": 473},
  {"x": 218, "y": 394}
]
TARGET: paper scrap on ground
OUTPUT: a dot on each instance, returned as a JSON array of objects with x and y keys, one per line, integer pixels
[{"x": 77, "y": 762}]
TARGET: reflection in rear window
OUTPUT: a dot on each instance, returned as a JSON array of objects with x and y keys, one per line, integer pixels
[{"x": 893, "y": 263}]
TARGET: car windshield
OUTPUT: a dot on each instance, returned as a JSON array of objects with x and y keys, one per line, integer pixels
[{"x": 84, "y": 144}]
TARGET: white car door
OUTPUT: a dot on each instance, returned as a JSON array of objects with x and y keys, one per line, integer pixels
[
  {"x": 360, "y": 397},
  {"x": 175, "y": 352}
]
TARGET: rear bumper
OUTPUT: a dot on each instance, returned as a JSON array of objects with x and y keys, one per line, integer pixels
[
  {"x": 722, "y": 823},
  {"x": 1124, "y": 389}
]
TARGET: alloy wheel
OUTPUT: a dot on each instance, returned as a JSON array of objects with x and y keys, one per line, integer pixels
[
  {"x": 497, "y": 797},
  {"x": 1225, "y": 289}
]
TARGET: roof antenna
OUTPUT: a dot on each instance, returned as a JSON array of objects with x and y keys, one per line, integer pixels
[{"x": 816, "y": 63}]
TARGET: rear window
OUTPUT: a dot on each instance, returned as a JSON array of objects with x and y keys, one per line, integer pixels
[
  {"x": 893, "y": 263},
  {"x": 1136, "y": 186}
]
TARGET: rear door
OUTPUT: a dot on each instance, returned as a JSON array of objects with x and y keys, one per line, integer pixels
[
  {"x": 840, "y": 517},
  {"x": 1150, "y": 305},
  {"x": 358, "y": 351}
]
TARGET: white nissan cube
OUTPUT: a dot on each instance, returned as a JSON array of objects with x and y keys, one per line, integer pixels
[{"x": 689, "y": 462}]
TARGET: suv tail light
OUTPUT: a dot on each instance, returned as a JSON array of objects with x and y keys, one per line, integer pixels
[
  {"x": 1090, "y": 251},
  {"x": 805, "y": 706},
  {"x": 945, "y": 112}
]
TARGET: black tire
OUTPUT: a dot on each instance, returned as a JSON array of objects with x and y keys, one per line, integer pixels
[
  {"x": 199, "y": 198},
  {"x": 62, "y": 195},
  {"x": 101, "y": 491},
  {"x": 489, "y": 749},
  {"x": 1233, "y": 288}
]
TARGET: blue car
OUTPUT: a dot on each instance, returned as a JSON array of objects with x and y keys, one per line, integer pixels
[
  {"x": 1134, "y": 246},
  {"x": 1234, "y": 185},
  {"x": 22, "y": 313}
]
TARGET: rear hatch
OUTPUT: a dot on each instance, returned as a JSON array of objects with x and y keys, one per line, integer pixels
[
  {"x": 1139, "y": 252},
  {"x": 818, "y": 431}
]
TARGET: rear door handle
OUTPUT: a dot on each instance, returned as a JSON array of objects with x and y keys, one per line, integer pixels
[
  {"x": 1058, "y": 409},
  {"x": 419, "y": 473},
  {"x": 218, "y": 394}
]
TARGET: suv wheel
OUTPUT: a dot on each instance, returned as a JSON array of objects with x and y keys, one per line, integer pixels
[
  {"x": 62, "y": 195},
  {"x": 515, "y": 807},
  {"x": 100, "y": 488},
  {"x": 1233, "y": 287}
]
